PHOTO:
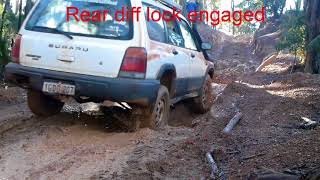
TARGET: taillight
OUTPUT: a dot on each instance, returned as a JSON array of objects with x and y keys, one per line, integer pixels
[
  {"x": 134, "y": 64},
  {"x": 15, "y": 51}
]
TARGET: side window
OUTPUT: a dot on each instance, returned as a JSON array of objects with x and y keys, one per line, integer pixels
[
  {"x": 187, "y": 36},
  {"x": 174, "y": 35},
  {"x": 156, "y": 30}
]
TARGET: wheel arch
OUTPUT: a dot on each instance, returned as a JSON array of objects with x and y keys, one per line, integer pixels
[
  {"x": 167, "y": 76},
  {"x": 210, "y": 70}
]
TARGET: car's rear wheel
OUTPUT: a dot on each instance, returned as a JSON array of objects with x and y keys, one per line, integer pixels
[
  {"x": 43, "y": 105},
  {"x": 204, "y": 101},
  {"x": 156, "y": 116}
]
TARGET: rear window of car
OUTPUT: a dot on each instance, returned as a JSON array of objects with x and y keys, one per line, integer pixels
[
  {"x": 156, "y": 29},
  {"x": 53, "y": 14},
  {"x": 174, "y": 33}
]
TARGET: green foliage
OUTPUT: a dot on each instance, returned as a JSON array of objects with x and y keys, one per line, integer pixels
[
  {"x": 250, "y": 5},
  {"x": 293, "y": 33},
  {"x": 10, "y": 25},
  {"x": 215, "y": 4},
  {"x": 4, "y": 53},
  {"x": 248, "y": 27},
  {"x": 275, "y": 8}
]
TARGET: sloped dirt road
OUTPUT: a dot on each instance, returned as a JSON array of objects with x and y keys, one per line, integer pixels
[{"x": 75, "y": 145}]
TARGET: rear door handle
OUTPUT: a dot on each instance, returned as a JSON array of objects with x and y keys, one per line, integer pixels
[{"x": 175, "y": 52}]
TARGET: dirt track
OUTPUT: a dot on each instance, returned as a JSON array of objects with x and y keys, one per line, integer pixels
[
  {"x": 269, "y": 136},
  {"x": 71, "y": 146}
]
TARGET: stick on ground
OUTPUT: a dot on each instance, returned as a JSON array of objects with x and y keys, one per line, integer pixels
[
  {"x": 214, "y": 168},
  {"x": 233, "y": 122}
]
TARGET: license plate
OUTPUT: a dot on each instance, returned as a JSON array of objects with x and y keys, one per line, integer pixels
[{"x": 59, "y": 88}]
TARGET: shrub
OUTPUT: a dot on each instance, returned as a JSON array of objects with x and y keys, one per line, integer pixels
[{"x": 293, "y": 33}]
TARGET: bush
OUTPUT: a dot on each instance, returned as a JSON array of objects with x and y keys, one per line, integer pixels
[
  {"x": 293, "y": 33},
  {"x": 4, "y": 55}
]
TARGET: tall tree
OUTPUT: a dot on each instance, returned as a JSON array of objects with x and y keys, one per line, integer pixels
[
  {"x": 312, "y": 15},
  {"x": 275, "y": 8},
  {"x": 28, "y": 7},
  {"x": 3, "y": 46},
  {"x": 20, "y": 14},
  {"x": 6, "y": 6},
  {"x": 232, "y": 8},
  {"x": 298, "y": 4},
  {"x": 16, "y": 8}
]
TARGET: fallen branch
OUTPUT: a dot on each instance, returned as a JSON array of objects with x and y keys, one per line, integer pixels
[
  {"x": 269, "y": 60},
  {"x": 215, "y": 172},
  {"x": 308, "y": 123},
  {"x": 253, "y": 156},
  {"x": 233, "y": 122},
  {"x": 234, "y": 152}
]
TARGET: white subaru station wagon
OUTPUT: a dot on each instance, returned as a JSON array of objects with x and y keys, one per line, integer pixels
[{"x": 147, "y": 64}]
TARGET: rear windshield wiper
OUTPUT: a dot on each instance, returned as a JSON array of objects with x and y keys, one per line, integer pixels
[{"x": 54, "y": 30}]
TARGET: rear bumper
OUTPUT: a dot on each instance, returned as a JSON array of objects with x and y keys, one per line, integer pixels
[{"x": 142, "y": 92}]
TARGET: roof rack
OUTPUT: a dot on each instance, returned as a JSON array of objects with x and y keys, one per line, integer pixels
[{"x": 170, "y": 4}]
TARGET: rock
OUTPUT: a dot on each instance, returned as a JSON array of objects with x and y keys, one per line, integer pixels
[
  {"x": 267, "y": 61},
  {"x": 266, "y": 44},
  {"x": 308, "y": 124}
]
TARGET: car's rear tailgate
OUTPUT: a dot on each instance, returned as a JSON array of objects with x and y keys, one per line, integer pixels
[{"x": 84, "y": 55}]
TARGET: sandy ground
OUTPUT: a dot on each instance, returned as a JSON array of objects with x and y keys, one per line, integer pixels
[{"x": 269, "y": 137}]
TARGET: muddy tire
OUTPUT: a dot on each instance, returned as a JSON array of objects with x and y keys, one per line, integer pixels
[
  {"x": 204, "y": 101},
  {"x": 42, "y": 105},
  {"x": 156, "y": 116}
]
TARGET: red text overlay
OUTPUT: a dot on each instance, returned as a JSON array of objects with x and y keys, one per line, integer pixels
[{"x": 214, "y": 17}]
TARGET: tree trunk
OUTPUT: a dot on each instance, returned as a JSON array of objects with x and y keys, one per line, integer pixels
[
  {"x": 232, "y": 8},
  {"x": 6, "y": 4},
  {"x": 312, "y": 15},
  {"x": 277, "y": 7},
  {"x": 274, "y": 9},
  {"x": 298, "y": 5},
  {"x": 265, "y": 6},
  {"x": 17, "y": 7},
  {"x": 28, "y": 7},
  {"x": 283, "y": 5},
  {"x": 20, "y": 15}
]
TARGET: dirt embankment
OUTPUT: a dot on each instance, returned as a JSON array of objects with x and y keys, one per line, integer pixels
[
  {"x": 233, "y": 56},
  {"x": 269, "y": 138}
]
